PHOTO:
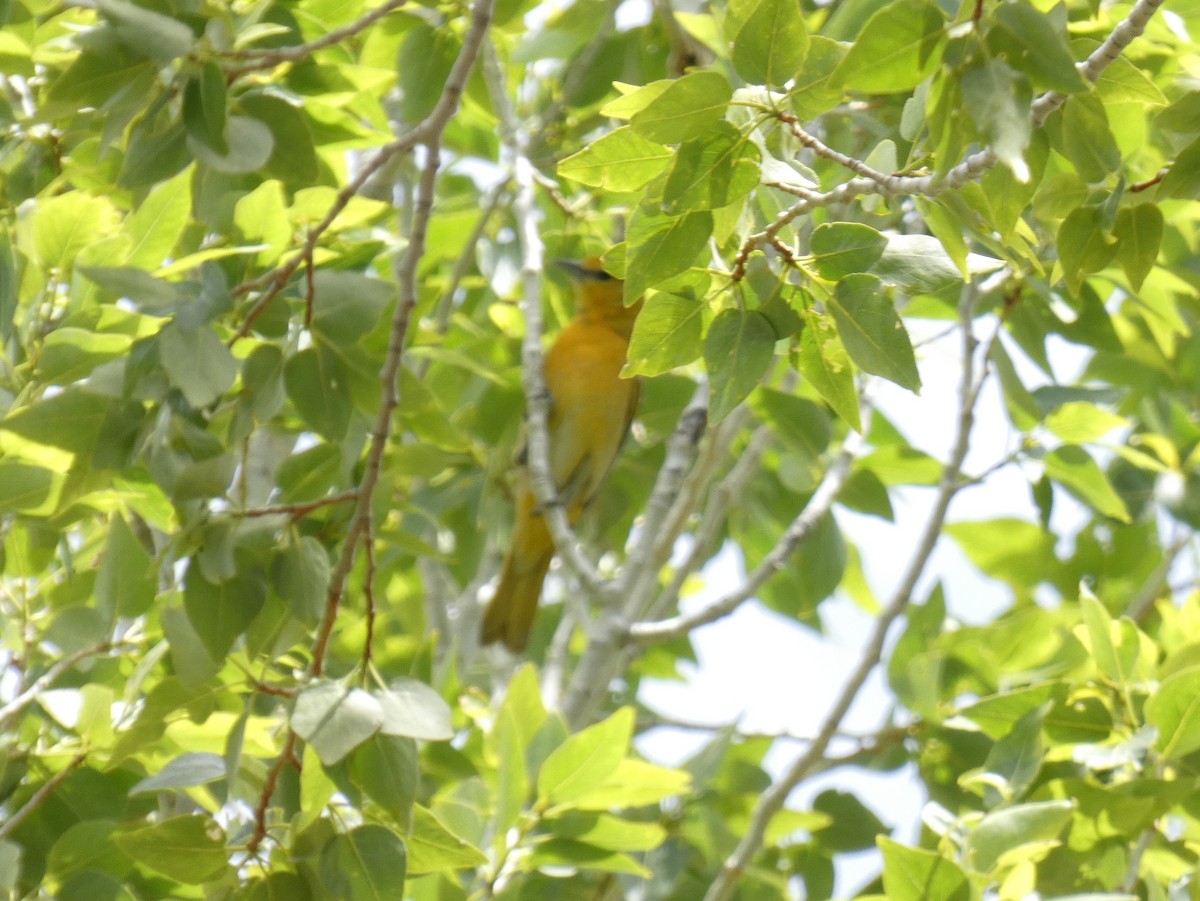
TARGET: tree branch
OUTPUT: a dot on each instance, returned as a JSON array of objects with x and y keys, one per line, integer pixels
[
  {"x": 48, "y": 678},
  {"x": 38, "y": 798},
  {"x": 772, "y": 800}
]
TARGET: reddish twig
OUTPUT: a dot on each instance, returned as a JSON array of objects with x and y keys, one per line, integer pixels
[
  {"x": 272, "y": 781},
  {"x": 299, "y": 511},
  {"x": 1136, "y": 187}
]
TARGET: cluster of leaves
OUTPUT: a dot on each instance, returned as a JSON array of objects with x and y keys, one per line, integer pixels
[{"x": 227, "y": 587}]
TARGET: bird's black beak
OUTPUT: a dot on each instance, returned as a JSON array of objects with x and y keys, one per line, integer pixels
[{"x": 582, "y": 271}]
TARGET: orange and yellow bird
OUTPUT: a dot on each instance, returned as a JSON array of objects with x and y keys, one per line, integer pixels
[{"x": 591, "y": 408}]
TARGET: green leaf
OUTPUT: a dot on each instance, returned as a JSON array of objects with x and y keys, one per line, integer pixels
[
  {"x": 367, "y": 863},
  {"x": 146, "y": 32},
  {"x": 686, "y": 108},
  {"x": 845, "y": 248},
  {"x": 852, "y": 824},
  {"x": 713, "y": 171},
  {"x": 1033, "y": 43},
  {"x": 348, "y": 305},
  {"x": 897, "y": 49},
  {"x": 65, "y": 224},
  {"x": 1139, "y": 233},
  {"x": 69, "y": 354},
  {"x": 221, "y": 613},
  {"x": 557, "y": 853},
  {"x": 436, "y": 849},
  {"x": 815, "y": 89},
  {"x": 99, "y": 431},
  {"x": 913, "y": 874},
  {"x": 606, "y": 831},
  {"x": 23, "y": 487},
  {"x": 185, "y": 771},
  {"x": 621, "y": 160},
  {"x": 659, "y": 247},
  {"x": 294, "y": 159},
  {"x": 386, "y": 769},
  {"x": 336, "y": 718},
  {"x": 261, "y": 218},
  {"x": 919, "y": 264},
  {"x": 802, "y": 424},
  {"x": 634, "y": 783},
  {"x": 411, "y": 708},
  {"x": 204, "y": 111},
  {"x": 196, "y": 362},
  {"x": 1182, "y": 180},
  {"x": 1084, "y": 246},
  {"x": 998, "y": 101},
  {"x": 152, "y": 295},
  {"x": 320, "y": 388},
  {"x": 1016, "y": 551},
  {"x": 826, "y": 365},
  {"x": 585, "y": 759},
  {"x": 738, "y": 349},
  {"x": 426, "y": 58},
  {"x": 1087, "y": 140},
  {"x": 300, "y": 575},
  {"x": 1103, "y": 648},
  {"x": 1075, "y": 470},
  {"x": 1011, "y": 828},
  {"x": 1174, "y": 709},
  {"x": 250, "y": 146},
  {"x": 666, "y": 334},
  {"x": 1080, "y": 422},
  {"x": 873, "y": 334},
  {"x": 184, "y": 848},
  {"x": 157, "y": 223},
  {"x": 771, "y": 42},
  {"x": 126, "y": 582}
]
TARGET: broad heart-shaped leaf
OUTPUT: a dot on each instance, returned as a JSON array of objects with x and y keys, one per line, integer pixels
[
  {"x": 336, "y": 718},
  {"x": 1139, "y": 232},
  {"x": 1174, "y": 709},
  {"x": 897, "y": 48},
  {"x": 826, "y": 365},
  {"x": 585, "y": 759},
  {"x": 998, "y": 101},
  {"x": 196, "y": 362},
  {"x": 300, "y": 575},
  {"x": 433, "y": 848},
  {"x": 204, "y": 108},
  {"x": 1032, "y": 43},
  {"x": 221, "y": 613},
  {"x": 686, "y": 109},
  {"x": 1182, "y": 180},
  {"x": 319, "y": 386},
  {"x": 157, "y": 223},
  {"x": 1084, "y": 246},
  {"x": 621, "y": 160},
  {"x": 713, "y": 171},
  {"x": 660, "y": 246},
  {"x": 185, "y": 771},
  {"x": 183, "y": 848},
  {"x": 844, "y": 248},
  {"x": 413, "y": 709},
  {"x": 738, "y": 348},
  {"x": 1007, "y": 828},
  {"x": 365, "y": 864},
  {"x": 666, "y": 334},
  {"x": 147, "y": 32},
  {"x": 348, "y": 305},
  {"x": 1075, "y": 470},
  {"x": 919, "y": 264},
  {"x": 65, "y": 224},
  {"x": 771, "y": 43},
  {"x": 385, "y": 767},
  {"x": 913, "y": 874},
  {"x": 872, "y": 332},
  {"x": 250, "y": 146}
]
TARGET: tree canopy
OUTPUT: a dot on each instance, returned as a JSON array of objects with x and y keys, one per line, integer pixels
[{"x": 274, "y": 292}]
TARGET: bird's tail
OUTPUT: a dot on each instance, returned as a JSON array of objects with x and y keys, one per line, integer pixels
[{"x": 510, "y": 613}]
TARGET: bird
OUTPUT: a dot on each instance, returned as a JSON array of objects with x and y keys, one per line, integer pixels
[{"x": 591, "y": 408}]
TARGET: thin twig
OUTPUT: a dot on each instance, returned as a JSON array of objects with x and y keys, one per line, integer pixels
[
  {"x": 48, "y": 678},
  {"x": 38, "y": 798},
  {"x": 298, "y": 510},
  {"x": 772, "y": 800},
  {"x": 819, "y": 504},
  {"x": 270, "y": 57}
]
